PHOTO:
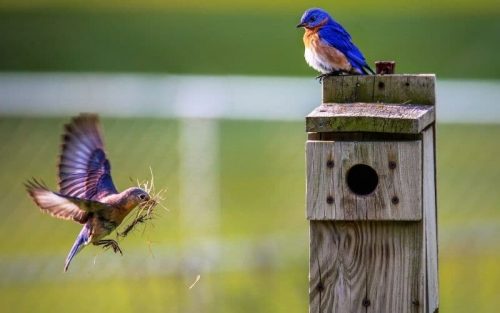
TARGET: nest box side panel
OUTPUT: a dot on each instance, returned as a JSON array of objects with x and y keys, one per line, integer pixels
[{"x": 430, "y": 219}]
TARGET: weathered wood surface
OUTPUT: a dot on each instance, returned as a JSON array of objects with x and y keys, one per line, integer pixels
[
  {"x": 404, "y": 89},
  {"x": 398, "y": 195},
  {"x": 366, "y": 267},
  {"x": 320, "y": 180},
  {"x": 430, "y": 219},
  {"x": 370, "y": 117},
  {"x": 362, "y": 136}
]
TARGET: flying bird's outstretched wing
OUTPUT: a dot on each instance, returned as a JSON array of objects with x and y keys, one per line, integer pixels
[
  {"x": 62, "y": 206},
  {"x": 84, "y": 170}
]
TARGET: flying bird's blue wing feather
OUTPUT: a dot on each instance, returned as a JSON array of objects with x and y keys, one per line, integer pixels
[{"x": 84, "y": 170}]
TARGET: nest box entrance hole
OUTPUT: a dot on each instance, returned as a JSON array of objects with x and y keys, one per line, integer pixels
[{"x": 362, "y": 179}]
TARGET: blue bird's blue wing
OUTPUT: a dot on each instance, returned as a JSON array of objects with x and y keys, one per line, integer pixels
[
  {"x": 84, "y": 170},
  {"x": 335, "y": 35}
]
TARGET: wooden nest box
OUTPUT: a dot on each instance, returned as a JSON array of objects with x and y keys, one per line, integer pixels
[{"x": 371, "y": 195}]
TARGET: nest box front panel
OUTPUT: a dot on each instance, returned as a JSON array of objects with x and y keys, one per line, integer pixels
[
  {"x": 349, "y": 180},
  {"x": 365, "y": 266}
]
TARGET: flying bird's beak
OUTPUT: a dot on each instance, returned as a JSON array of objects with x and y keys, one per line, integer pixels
[
  {"x": 148, "y": 203},
  {"x": 301, "y": 25}
]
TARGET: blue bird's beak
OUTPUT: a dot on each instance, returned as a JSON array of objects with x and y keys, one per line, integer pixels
[{"x": 301, "y": 25}]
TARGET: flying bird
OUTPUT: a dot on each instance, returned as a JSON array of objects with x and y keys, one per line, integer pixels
[
  {"x": 328, "y": 46},
  {"x": 86, "y": 193}
]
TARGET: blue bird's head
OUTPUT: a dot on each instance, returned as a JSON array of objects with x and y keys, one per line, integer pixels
[{"x": 313, "y": 18}]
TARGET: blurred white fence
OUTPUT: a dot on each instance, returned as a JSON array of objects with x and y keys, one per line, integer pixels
[{"x": 232, "y": 97}]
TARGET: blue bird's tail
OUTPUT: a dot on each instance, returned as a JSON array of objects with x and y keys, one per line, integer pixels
[
  {"x": 80, "y": 242},
  {"x": 367, "y": 70}
]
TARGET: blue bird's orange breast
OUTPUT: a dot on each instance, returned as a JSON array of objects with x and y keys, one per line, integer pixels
[
  {"x": 311, "y": 37},
  {"x": 322, "y": 56}
]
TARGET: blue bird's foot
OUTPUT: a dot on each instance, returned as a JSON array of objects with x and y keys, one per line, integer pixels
[
  {"x": 109, "y": 243},
  {"x": 334, "y": 73}
]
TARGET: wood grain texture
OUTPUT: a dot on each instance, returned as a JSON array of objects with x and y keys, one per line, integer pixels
[
  {"x": 430, "y": 219},
  {"x": 370, "y": 117},
  {"x": 363, "y": 136},
  {"x": 320, "y": 180},
  {"x": 405, "y": 89},
  {"x": 404, "y": 181},
  {"x": 365, "y": 267}
]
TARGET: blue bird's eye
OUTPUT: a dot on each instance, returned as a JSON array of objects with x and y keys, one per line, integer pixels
[
  {"x": 142, "y": 196},
  {"x": 312, "y": 18}
]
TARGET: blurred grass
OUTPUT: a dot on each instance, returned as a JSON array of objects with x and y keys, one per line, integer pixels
[
  {"x": 262, "y": 194},
  {"x": 446, "y": 42}
]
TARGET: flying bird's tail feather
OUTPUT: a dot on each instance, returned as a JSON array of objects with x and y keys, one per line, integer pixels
[{"x": 80, "y": 242}]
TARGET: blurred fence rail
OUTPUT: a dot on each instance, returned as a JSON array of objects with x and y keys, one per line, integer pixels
[{"x": 231, "y": 97}]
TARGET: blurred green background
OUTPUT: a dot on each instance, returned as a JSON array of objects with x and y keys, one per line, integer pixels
[
  {"x": 260, "y": 164},
  {"x": 450, "y": 38}
]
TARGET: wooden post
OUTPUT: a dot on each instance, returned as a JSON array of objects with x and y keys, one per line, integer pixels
[{"x": 371, "y": 196}]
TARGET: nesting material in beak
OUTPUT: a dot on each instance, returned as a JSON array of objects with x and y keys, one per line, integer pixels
[{"x": 146, "y": 210}]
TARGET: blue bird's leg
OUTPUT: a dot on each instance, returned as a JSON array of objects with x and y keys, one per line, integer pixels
[
  {"x": 334, "y": 73},
  {"x": 106, "y": 243}
]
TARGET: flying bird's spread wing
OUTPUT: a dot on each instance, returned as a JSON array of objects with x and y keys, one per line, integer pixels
[
  {"x": 84, "y": 170},
  {"x": 61, "y": 206}
]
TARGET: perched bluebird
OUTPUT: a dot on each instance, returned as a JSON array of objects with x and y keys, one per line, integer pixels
[
  {"x": 328, "y": 46},
  {"x": 86, "y": 194}
]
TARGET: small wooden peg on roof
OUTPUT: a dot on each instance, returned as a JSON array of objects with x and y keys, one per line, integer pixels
[{"x": 385, "y": 67}]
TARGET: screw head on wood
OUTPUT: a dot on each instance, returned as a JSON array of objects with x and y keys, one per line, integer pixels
[
  {"x": 320, "y": 287},
  {"x": 330, "y": 163},
  {"x": 395, "y": 200},
  {"x": 329, "y": 200},
  {"x": 366, "y": 302},
  {"x": 415, "y": 302},
  {"x": 392, "y": 165},
  {"x": 381, "y": 85}
]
